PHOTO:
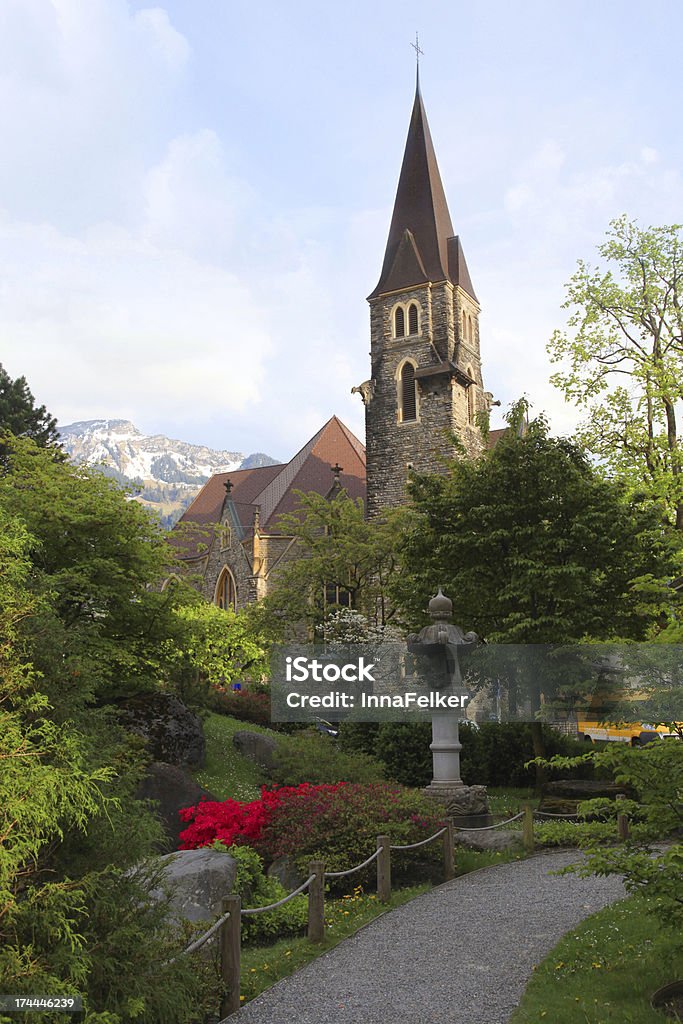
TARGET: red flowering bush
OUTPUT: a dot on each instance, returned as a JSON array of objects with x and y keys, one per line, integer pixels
[
  {"x": 230, "y": 821},
  {"x": 337, "y": 823}
]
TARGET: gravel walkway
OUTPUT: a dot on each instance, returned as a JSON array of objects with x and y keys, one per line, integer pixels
[{"x": 460, "y": 954}]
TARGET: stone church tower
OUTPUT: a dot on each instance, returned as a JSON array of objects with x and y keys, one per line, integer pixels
[{"x": 426, "y": 384}]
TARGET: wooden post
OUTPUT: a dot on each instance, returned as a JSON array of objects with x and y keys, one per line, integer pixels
[
  {"x": 448, "y": 851},
  {"x": 384, "y": 869},
  {"x": 623, "y": 829},
  {"x": 316, "y": 902},
  {"x": 528, "y": 828},
  {"x": 229, "y": 937}
]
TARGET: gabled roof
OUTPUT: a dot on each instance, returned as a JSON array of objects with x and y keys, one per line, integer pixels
[
  {"x": 420, "y": 209},
  {"x": 271, "y": 488}
]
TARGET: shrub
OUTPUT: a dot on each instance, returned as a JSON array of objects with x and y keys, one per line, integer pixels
[
  {"x": 311, "y": 757},
  {"x": 358, "y": 737},
  {"x": 404, "y": 749},
  {"x": 335, "y": 823},
  {"x": 340, "y": 825},
  {"x": 245, "y": 705},
  {"x": 493, "y": 754},
  {"x": 257, "y": 890}
]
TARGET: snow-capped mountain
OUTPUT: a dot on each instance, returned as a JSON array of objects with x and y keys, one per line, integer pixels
[{"x": 168, "y": 473}]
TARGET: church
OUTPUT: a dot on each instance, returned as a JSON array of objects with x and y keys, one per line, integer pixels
[{"x": 425, "y": 390}]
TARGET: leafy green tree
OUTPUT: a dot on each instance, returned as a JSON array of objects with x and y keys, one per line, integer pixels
[
  {"x": 82, "y": 620},
  {"x": 622, "y": 358},
  {"x": 655, "y": 774},
  {"x": 534, "y": 547},
  {"x": 346, "y": 562},
  {"x": 19, "y": 414}
]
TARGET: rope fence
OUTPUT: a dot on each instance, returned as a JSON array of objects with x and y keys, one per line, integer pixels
[{"x": 228, "y": 924}]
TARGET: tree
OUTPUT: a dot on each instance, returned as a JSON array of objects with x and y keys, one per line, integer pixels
[
  {"x": 19, "y": 414},
  {"x": 82, "y": 620},
  {"x": 343, "y": 561},
  {"x": 534, "y": 547},
  {"x": 623, "y": 358}
]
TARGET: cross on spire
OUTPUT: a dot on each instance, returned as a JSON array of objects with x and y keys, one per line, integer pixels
[
  {"x": 418, "y": 51},
  {"x": 228, "y": 486},
  {"x": 337, "y": 469}
]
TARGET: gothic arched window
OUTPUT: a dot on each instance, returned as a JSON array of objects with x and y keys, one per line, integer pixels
[
  {"x": 226, "y": 591},
  {"x": 413, "y": 320},
  {"x": 399, "y": 322},
  {"x": 408, "y": 394},
  {"x": 470, "y": 398}
]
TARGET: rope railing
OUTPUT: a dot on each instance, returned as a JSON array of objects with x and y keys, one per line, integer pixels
[
  {"x": 280, "y": 903},
  {"x": 198, "y": 943},
  {"x": 423, "y": 842},
  {"x": 352, "y": 871},
  {"x": 485, "y": 828},
  {"x": 548, "y": 814}
]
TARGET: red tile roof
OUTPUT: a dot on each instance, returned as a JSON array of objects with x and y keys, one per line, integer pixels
[{"x": 271, "y": 488}]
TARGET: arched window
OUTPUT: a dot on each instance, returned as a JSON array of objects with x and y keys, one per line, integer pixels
[
  {"x": 399, "y": 322},
  {"x": 471, "y": 396},
  {"x": 408, "y": 394},
  {"x": 226, "y": 591},
  {"x": 413, "y": 322},
  {"x": 464, "y": 325},
  {"x": 469, "y": 328}
]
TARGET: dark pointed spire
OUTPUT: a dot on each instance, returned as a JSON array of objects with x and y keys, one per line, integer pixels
[{"x": 421, "y": 213}]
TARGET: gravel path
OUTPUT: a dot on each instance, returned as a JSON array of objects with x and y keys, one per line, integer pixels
[{"x": 460, "y": 954}]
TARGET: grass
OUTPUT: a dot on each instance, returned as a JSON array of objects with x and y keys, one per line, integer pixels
[
  {"x": 604, "y": 971},
  {"x": 226, "y": 773},
  {"x": 263, "y": 966}
]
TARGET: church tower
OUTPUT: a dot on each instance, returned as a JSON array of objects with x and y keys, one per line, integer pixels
[{"x": 426, "y": 383}]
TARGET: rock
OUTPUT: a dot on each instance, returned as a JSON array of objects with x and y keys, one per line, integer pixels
[
  {"x": 468, "y": 800},
  {"x": 493, "y": 841},
  {"x": 286, "y": 873},
  {"x": 173, "y": 734},
  {"x": 198, "y": 879},
  {"x": 564, "y": 795},
  {"x": 172, "y": 788},
  {"x": 257, "y": 747}
]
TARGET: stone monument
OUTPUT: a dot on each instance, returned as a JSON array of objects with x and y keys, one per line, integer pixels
[{"x": 439, "y": 646}]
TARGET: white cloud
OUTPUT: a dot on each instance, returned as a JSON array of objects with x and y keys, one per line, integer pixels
[{"x": 173, "y": 46}]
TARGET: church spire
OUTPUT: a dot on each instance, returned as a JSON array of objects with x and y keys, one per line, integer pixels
[{"x": 418, "y": 248}]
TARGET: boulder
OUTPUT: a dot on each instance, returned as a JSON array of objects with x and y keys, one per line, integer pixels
[
  {"x": 256, "y": 747},
  {"x": 198, "y": 881},
  {"x": 172, "y": 733},
  {"x": 286, "y": 873},
  {"x": 172, "y": 788},
  {"x": 564, "y": 795},
  {"x": 494, "y": 841},
  {"x": 468, "y": 801}
]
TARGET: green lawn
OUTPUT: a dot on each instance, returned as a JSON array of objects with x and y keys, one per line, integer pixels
[
  {"x": 226, "y": 773},
  {"x": 605, "y": 971}
]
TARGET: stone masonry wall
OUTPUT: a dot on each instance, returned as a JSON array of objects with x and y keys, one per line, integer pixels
[{"x": 393, "y": 447}]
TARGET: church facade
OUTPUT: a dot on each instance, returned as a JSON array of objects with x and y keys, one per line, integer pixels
[{"x": 424, "y": 399}]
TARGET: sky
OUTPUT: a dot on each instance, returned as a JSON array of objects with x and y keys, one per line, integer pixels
[{"x": 195, "y": 195}]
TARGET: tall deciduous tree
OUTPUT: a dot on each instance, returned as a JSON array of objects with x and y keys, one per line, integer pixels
[
  {"x": 343, "y": 561},
  {"x": 623, "y": 358},
  {"x": 534, "y": 546}
]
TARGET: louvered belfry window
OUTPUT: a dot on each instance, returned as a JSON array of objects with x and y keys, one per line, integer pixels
[
  {"x": 412, "y": 319},
  {"x": 399, "y": 322},
  {"x": 408, "y": 394}
]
